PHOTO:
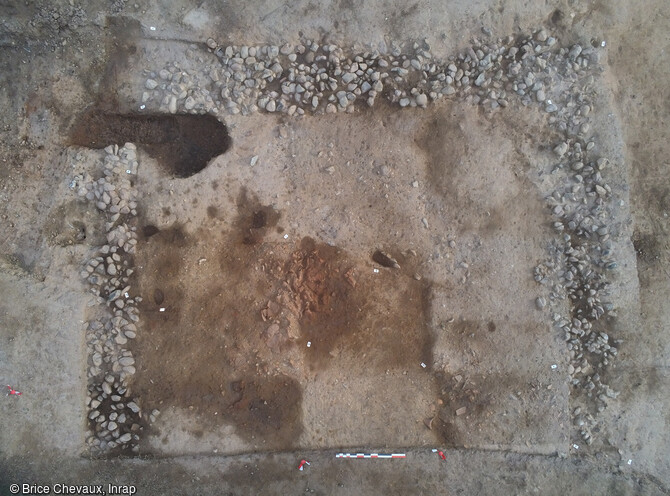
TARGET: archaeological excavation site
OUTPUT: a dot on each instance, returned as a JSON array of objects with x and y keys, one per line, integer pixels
[{"x": 334, "y": 247}]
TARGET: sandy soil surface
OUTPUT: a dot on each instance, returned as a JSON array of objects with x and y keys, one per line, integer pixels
[{"x": 201, "y": 286}]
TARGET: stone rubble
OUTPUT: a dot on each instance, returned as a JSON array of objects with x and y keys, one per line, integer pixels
[
  {"x": 115, "y": 419},
  {"x": 582, "y": 257},
  {"x": 315, "y": 78}
]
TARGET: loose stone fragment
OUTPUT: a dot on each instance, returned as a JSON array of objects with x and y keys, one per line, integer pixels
[{"x": 561, "y": 149}]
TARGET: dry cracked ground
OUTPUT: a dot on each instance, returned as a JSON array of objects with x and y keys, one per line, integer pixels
[{"x": 236, "y": 236}]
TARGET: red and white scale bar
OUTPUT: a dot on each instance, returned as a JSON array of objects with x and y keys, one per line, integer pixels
[{"x": 370, "y": 455}]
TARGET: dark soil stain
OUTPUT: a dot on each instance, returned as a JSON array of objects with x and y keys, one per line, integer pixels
[
  {"x": 384, "y": 260},
  {"x": 445, "y": 145},
  {"x": 651, "y": 253},
  {"x": 183, "y": 144},
  {"x": 200, "y": 336},
  {"x": 121, "y": 56},
  {"x": 647, "y": 248},
  {"x": 212, "y": 212},
  {"x": 268, "y": 408},
  {"x": 217, "y": 335},
  {"x": 656, "y": 198},
  {"x": 149, "y": 230},
  {"x": 556, "y": 17},
  {"x": 253, "y": 219},
  {"x": 159, "y": 296}
]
